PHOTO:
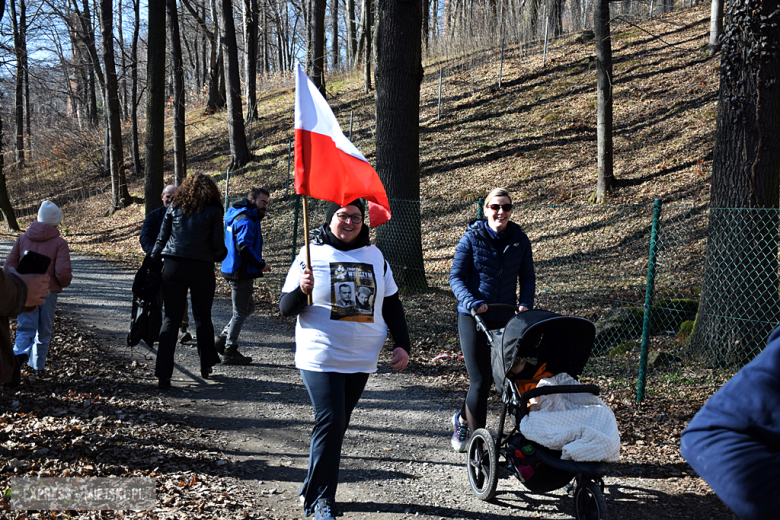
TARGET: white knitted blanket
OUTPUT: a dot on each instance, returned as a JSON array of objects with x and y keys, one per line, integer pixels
[{"x": 580, "y": 425}]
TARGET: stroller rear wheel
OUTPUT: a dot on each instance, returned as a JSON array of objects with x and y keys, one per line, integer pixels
[
  {"x": 589, "y": 503},
  {"x": 482, "y": 464}
]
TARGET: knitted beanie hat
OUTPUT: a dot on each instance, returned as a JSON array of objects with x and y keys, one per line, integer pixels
[
  {"x": 49, "y": 213},
  {"x": 333, "y": 208}
]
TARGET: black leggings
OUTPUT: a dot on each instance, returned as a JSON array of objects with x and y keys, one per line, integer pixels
[
  {"x": 476, "y": 354},
  {"x": 179, "y": 275}
]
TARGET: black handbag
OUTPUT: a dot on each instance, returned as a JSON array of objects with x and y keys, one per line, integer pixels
[
  {"x": 148, "y": 280},
  {"x": 145, "y": 322}
]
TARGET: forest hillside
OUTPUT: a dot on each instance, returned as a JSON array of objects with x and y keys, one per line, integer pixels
[{"x": 536, "y": 135}]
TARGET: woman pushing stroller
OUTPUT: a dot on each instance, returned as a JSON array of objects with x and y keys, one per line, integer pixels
[{"x": 491, "y": 258}]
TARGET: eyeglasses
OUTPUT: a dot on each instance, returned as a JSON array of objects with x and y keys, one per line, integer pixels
[
  {"x": 343, "y": 217},
  {"x": 506, "y": 207},
  {"x": 261, "y": 202}
]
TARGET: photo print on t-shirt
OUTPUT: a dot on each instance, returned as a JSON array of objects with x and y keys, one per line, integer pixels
[{"x": 352, "y": 292}]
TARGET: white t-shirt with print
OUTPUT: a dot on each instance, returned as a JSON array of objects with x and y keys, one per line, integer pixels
[{"x": 343, "y": 331}]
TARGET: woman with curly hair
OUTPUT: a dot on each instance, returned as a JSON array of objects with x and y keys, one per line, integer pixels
[{"x": 191, "y": 240}]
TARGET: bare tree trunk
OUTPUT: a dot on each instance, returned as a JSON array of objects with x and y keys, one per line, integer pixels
[
  {"x": 5, "y": 202},
  {"x": 121, "y": 196},
  {"x": 216, "y": 99},
  {"x": 250, "y": 58},
  {"x": 426, "y": 10},
  {"x": 556, "y": 18},
  {"x": 367, "y": 24},
  {"x": 125, "y": 105},
  {"x": 239, "y": 152},
  {"x": 739, "y": 302},
  {"x": 264, "y": 40},
  {"x": 134, "y": 88},
  {"x": 94, "y": 71},
  {"x": 316, "y": 45},
  {"x": 399, "y": 73},
  {"x": 351, "y": 33},
  {"x": 603, "y": 98},
  {"x": 20, "y": 51},
  {"x": 155, "y": 106},
  {"x": 334, "y": 29},
  {"x": 27, "y": 110},
  {"x": 716, "y": 26},
  {"x": 179, "y": 146}
]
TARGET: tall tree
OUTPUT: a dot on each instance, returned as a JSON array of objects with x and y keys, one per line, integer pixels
[
  {"x": 177, "y": 68},
  {"x": 216, "y": 99},
  {"x": 716, "y": 26},
  {"x": 5, "y": 202},
  {"x": 334, "y": 30},
  {"x": 120, "y": 194},
  {"x": 399, "y": 74},
  {"x": 426, "y": 19},
  {"x": 155, "y": 106},
  {"x": 351, "y": 33},
  {"x": 603, "y": 99},
  {"x": 19, "y": 28},
  {"x": 741, "y": 266},
  {"x": 250, "y": 58},
  {"x": 137, "y": 166},
  {"x": 367, "y": 23},
  {"x": 315, "y": 44},
  {"x": 123, "y": 60},
  {"x": 239, "y": 151}
]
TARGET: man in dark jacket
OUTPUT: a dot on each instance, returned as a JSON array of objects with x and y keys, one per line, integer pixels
[
  {"x": 18, "y": 293},
  {"x": 149, "y": 232},
  {"x": 734, "y": 440},
  {"x": 244, "y": 263}
]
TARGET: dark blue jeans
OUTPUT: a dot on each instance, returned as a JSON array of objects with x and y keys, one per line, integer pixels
[{"x": 334, "y": 396}]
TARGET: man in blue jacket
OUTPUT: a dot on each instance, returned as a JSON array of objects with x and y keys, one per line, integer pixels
[
  {"x": 244, "y": 263},
  {"x": 734, "y": 441},
  {"x": 149, "y": 232}
]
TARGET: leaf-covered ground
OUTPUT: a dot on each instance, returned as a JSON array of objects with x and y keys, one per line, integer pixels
[{"x": 89, "y": 417}]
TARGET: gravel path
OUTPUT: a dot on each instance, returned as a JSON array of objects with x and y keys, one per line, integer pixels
[{"x": 397, "y": 461}]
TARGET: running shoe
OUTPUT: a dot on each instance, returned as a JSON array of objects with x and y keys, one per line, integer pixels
[
  {"x": 460, "y": 438},
  {"x": 324, "y": 510}
]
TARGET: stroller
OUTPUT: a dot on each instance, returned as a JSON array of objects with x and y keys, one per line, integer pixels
[{"x": 564, "y": 344}]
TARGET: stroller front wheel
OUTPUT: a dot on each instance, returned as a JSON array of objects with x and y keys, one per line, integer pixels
[
  {"x": 482, "y": 464},
  {"x": 589, "y": 503}
]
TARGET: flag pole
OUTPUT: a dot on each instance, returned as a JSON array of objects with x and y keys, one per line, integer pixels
[{"x": 306, "y": 239}]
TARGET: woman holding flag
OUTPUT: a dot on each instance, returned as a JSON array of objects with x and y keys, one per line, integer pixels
[{"x": 337, "y": 347}]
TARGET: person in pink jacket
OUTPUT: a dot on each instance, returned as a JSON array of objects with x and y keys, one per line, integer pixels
[{"x": 33, "y": 332}]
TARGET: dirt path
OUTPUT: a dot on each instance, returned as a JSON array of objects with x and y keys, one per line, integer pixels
[{"x": 397, "y": 462}]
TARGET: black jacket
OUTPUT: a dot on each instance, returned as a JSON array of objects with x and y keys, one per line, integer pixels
[
  {"x": 199, "y": 236},
  {"x": 151, "y": 228}
]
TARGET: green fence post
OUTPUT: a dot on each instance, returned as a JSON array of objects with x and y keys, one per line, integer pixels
[
  {"x": 650, "y": 290},
  {"x": 295, "y": 229},
  {"x": 480, "y": 209}
]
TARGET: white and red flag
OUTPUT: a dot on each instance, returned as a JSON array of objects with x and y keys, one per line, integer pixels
[{"x": 327, "y": 164}]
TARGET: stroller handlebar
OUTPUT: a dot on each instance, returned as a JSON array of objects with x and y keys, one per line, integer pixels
[
  {"x": 559, "y": 389},
  {"x": 481, "y": 323}
]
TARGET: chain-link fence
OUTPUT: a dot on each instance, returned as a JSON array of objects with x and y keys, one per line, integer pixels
[{"x": 638, "y": 274}]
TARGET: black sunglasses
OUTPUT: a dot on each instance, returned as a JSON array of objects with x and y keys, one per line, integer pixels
[{"x": 506, "y": 207}]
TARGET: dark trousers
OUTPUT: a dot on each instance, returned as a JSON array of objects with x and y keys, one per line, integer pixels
[
  {"x": 476, "y": 354},
  {"x": 334, "y": 396},
  {"x": 179, "y": 276}
]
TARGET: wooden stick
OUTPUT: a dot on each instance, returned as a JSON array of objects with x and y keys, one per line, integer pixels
[{"x": 306, "y": 238}]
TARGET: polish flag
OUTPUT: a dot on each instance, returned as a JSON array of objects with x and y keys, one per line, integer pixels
[{"x": 327, "y": 164}]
